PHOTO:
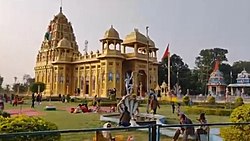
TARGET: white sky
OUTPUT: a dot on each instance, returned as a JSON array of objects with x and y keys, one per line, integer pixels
[{"x": 188, "y": 25}]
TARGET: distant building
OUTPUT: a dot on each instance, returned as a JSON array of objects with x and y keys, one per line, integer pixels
[
  {"x": 243, "y": 84},
  {"x": 64, "y": 70},
  {"x": 216, "y": 84}
]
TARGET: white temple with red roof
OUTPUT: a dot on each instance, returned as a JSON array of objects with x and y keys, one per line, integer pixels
[{"x": 216, "y": 84}]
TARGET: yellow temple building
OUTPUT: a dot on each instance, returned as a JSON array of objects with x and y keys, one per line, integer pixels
[{"x": 65, "y": 70}]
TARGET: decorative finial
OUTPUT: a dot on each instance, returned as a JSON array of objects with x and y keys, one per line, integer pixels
[
  {"x": 61, "y": 7},
  {"x": 111, "y": 26}
]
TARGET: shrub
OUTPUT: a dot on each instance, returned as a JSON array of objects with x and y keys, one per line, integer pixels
[
  {"x": 240, "y": 132},
  {"x": 208, "y": 111},
  {"x": 211, "y": 100},
  {"x": 4, "y": 114},
  {"x": 186, "y": 100},
  {"x": 28, "y": 124},
  {"x": 37, "y": 86},
  {"x": 111, "y": 103},
  {"x": 238, "y": 101}
]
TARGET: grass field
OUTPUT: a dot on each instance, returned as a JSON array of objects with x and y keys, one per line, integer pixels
[{"x": 66, "y": 120}]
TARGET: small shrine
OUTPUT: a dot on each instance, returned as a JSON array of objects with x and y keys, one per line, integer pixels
[
  {"x": 242, "y": 86},
  {"x": 216, "y": 84}
]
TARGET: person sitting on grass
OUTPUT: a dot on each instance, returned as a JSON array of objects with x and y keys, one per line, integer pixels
[
  {"x": 125, "y": 118},
  {"x": 201, "y": 129},
  {"x": 184, "y": 130}
]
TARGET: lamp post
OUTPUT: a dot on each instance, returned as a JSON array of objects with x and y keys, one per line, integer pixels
[
  {"x": 147, "y": 59},
  {"x": 147, "y": 67}
]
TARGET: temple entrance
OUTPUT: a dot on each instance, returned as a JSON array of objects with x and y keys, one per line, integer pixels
[
  {"x": 87, "y": 87},
  {"x": 142, "y": 83},
  {"x": 213, "y": 90}
]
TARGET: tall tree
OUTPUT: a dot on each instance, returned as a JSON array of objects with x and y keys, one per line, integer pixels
[
  {"x": 1, "y": 82},
  {"x": 180, "y": 72},
  {"x": 26, "y": 78},
  {"x": 226, "y": 70},
  {"x": 205, "y": 63},
  {"x": 37, "y": 87}
]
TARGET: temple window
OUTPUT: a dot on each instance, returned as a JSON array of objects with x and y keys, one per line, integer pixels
[
  {"x": 110, "y": 76},
  {"x": 117, "y": 77}
]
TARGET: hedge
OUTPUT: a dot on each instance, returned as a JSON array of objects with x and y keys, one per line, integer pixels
[
  {"x": 28, "y": 124},
  {"x": 240, "y": 132},
  {"x": 238, "y": 101},
  {"x": 211, "y": 100},
  {"x": 186, "y": 100},
  {"x": 208, "y": 111},
  {"x": 4, "y": 114}
]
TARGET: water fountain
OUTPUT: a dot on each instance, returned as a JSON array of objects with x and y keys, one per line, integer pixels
[{"x": 132, "y": 103}]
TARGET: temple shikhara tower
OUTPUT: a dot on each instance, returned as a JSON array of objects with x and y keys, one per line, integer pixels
[
  {"x": 65, "y": 70},
  {"x": 216, "y": 84}
]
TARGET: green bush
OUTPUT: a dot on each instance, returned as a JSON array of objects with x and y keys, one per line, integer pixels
[
  {"x": 37, "y": 86},
  {"x": 211, "y": 100},
  {"x": 28, "y": 124},
  {"x": 186, "y": 100},
  {"x": 4, "y": 114},
  {"x": 238, "y": 101},
  {"x": 106, "y": 103},
  {"x": 208, "y": 111},
  {"x": 239, "y": 132}
]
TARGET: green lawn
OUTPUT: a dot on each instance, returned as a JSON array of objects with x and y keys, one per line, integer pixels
[{"x": 66, "y": 120}]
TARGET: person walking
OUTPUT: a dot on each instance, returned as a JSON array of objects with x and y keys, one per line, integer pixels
[
  {"x": 154, "y": 104},
  {"x": 178, "y": 109},
  {"x": 173, "y": 107},
  {"x": 33, "y": 100}
]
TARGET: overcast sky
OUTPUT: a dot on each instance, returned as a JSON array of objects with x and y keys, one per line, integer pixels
[{"x": 188, "y": 25}]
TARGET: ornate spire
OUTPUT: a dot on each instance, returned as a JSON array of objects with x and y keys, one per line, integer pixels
[
  {"x": 217, "y": 65},
  {"x": 61, "y": 7}
]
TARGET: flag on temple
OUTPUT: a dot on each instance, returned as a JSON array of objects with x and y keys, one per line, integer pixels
[{"x": 166, "y": 53}]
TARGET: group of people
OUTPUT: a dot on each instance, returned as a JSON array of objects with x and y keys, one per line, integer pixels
[
  {"x": 36, "y": 98},
  {"x": 189, "y": 130},
  {"x": 107, "y": 136},
  {"x": 81, "y": 108},
  {"x": 13, "y": 99}
]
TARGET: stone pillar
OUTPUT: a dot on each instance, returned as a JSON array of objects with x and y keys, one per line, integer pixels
[
  {"x": 135, "y": 49},
  {"x": 115, "y": 44},
  {"x": 119, "y": 44},
  {"x": 78, "y": 77},
  {"x": 124, "y": 49},
  {"x": 135, "y": 81},
  {"x": 97, "y": 92}
]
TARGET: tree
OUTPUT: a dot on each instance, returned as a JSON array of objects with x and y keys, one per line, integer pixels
[
  {"x": 205, "y": 62},
  {"x": 35, "y": 87},
  {"x": 19, "y": 87},
  {"x": 226, "y": 70},
  {"x": 180, "y": 73},
  {"x": 26, "y": 78},
  {"x": 1, "y": 82}
]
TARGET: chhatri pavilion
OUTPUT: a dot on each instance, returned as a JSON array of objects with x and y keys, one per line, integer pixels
[{"x": 65, "y": 70}]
